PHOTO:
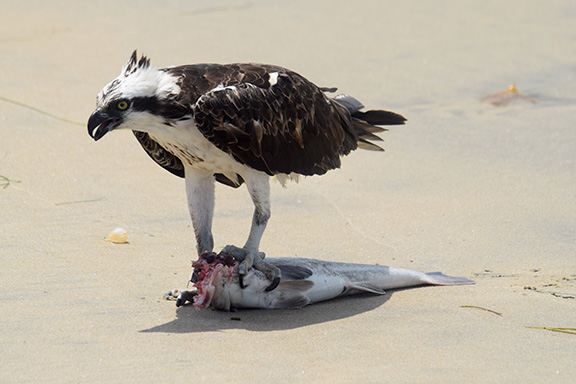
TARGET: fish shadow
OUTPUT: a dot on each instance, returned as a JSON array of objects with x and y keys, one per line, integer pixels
[{"x": 190, "y": 320}]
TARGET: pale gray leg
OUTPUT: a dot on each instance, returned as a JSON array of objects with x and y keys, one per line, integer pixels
[
  {"x": 200, "y": 193},
  {"x": 259, "y": 189}
]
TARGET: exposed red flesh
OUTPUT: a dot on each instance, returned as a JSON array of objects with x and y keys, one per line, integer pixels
[{"x": 206, "y": 269}]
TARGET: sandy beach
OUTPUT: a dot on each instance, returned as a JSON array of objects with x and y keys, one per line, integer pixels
[{"x": 467, "y": 188}]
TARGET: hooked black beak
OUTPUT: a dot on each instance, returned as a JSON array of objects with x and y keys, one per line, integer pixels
[{"x": 100, "y": 124}]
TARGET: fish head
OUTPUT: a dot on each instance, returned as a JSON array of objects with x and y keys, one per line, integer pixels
[
  {"x": 216, "y": 278},
  {"x": 213, "y": 276}
]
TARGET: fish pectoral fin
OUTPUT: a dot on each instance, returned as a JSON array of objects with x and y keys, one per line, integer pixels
[
  {"x": 292, "y": 294},
  {"x": 290, "y": 301},
  {"x": 293, "y": 272},
  {"x": 295, "y": 285},
  {"x": 367, "y": 288}
]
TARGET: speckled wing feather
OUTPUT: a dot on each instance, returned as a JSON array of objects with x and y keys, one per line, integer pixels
[
  {"x": 267, "y": 117},
  {"x": 161, "y": 156}
]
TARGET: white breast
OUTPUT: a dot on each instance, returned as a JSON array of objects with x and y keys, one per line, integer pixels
[{"x": 187, "y": 143}]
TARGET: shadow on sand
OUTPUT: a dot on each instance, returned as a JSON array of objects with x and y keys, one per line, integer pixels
[{"x": 188, "y": 319}]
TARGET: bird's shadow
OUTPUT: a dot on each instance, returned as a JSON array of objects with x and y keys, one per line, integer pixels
[{"x": 190, "y": 320}]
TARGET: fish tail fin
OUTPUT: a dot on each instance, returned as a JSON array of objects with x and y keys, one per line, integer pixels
[{"x": 438, "y": 278}]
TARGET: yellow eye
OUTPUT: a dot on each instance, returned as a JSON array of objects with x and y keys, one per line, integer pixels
[{"x": 122, "y": 105}]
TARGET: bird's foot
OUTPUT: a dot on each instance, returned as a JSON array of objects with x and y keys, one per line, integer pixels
[{"x": 250, "y": 259}]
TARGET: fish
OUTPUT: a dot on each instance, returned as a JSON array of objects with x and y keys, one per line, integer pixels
[{"x": 302, "y": 282}]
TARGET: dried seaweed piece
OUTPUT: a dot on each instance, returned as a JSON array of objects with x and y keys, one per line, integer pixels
[
  {"x": 556, "y": 329},
  {"x": 503, "y": 98},
  {"x": 2, "y": 98},
  {"x": 482, "y": 308},
  {"x": 563, "y": 295},
  {"x": 5, "y": 182}
]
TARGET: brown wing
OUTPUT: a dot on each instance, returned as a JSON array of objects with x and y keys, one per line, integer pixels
[
  {"x": 161, "y": 156},
  {"x": 278, "y": 124}
]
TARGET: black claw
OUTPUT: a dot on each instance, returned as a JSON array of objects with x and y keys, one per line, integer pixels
[
  {"x": 241, "y": 281},
  {"x": 274, "y": 284}
]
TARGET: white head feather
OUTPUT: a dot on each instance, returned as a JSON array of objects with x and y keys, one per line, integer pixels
[{"x": 139, "y": 79}]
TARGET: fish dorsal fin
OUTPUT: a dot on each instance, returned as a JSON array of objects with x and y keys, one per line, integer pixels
[
  {"x": 295, "y": 285},
  {"x": 294, "y": 272},
  {"x": 366, "y": 287}
]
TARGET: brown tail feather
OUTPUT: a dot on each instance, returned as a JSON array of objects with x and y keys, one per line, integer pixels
[
  {"x": 365, "y": 132},
  {"x": 365, "y": 144},
  {"x": 362, "y": 126},
  {"x": 366, "y": 124},
  {"x": 379, "y": 117}
]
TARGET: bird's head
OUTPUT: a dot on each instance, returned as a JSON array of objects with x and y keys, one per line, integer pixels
[{"x": 137, "y": 99}]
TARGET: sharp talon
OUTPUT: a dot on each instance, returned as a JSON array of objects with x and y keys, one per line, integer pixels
[
  {"x": 241, "y": 281},
  {"x": 274, "y": 284}
]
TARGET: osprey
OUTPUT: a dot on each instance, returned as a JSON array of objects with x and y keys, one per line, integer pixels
[{"x": 235, "y": 124}]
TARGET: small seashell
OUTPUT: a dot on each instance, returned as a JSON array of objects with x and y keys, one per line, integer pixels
[{"x": 118, "y": 236}]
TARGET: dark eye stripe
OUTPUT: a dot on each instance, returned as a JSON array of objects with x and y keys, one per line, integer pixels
[
  {"x": 149, "y": 104},
  {"x": 163, "y": 108}
]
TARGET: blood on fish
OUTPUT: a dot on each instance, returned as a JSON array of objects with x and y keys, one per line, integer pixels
[
  {"x": 503, "y": 98},
  {"x": 206, "y": 269}
]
